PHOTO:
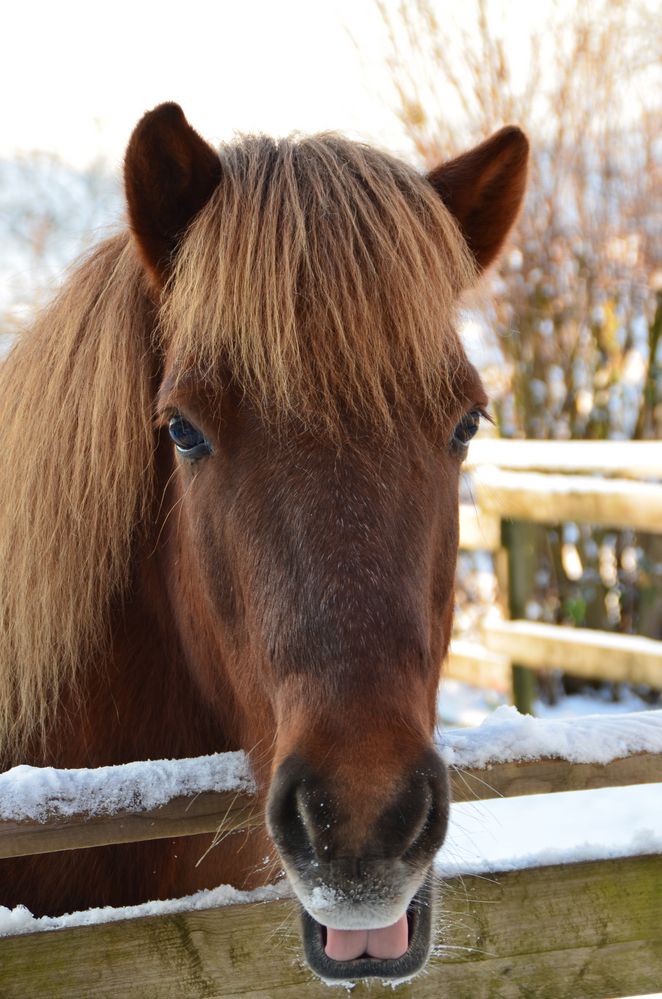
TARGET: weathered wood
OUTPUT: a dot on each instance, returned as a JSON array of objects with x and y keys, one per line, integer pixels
[
  {"x": 625, "y": 459},
  {"x": 519, "y": 542},
  {"x": 179, "y": 817},
  {"x": 479, "y": 531},
  {"x": 475, "y": 665},
  {"x": 579, "y": 651},
  {"x": 480, "y": 776},
  {"x": 550, "y": 499},
  {"x": 209, "y": 812},
  {"x": 509, "y": 780},
  {"x": 578, "y": 931}
]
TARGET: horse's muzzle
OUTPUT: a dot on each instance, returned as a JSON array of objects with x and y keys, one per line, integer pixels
[{"x": 365, "y": 886}]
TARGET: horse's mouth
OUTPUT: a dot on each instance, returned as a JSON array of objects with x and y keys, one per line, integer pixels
[{"x": 366, "y": 965}]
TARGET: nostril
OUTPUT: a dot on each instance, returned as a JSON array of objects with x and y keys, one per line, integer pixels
[
  {"x": 313, "y": 819},
  {"x": 415, "y": 825},
  {"x": 421, "y": 820},
  {"x": 299, "y": 812}
]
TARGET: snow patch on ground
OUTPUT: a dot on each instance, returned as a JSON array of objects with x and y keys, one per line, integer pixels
[
  {"x": 40, "y": 793},
  {"x": 20, "y": 920},
  {"x": 505, "y": 736}
]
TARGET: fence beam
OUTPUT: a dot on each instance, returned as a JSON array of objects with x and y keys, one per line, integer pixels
[
  {"x": 477, "y": 666},
  {"x": 625, "y": 459},
  {"x": 227, "y": 811},
  {"x": 587, "y": 929},
  {"x": 510, "y": 780},
  {"x": 183, "y": 816},
  {"x": 552, "y": 499},
  {"x": 579, "y": 651},
  {"x": 478, "y": 531}
]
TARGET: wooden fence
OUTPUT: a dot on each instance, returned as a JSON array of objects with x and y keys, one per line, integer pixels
[
  {"x": 604, "y": 483},
  {"x": 583, "y": 930}
]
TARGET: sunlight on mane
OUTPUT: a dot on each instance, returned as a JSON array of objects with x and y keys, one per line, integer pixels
[{"x": 324, "y": 276}]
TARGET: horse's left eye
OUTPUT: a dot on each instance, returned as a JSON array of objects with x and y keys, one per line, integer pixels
[
  {"x": 466, "y": 429},
  {"x": 189, "y": 441}
]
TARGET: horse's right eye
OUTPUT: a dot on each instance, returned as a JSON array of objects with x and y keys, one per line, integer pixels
[{"x": 190, "y": 442}]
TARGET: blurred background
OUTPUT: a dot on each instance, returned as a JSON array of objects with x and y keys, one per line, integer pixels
[{"x": 567, "y": 332}]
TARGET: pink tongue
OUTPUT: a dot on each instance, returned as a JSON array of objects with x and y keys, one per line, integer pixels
[{"x": 388, "y": 943}]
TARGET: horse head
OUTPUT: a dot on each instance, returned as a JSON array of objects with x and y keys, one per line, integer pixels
[{"x": 319, "y": 404}]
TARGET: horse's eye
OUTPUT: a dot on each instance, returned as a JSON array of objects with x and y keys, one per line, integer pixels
[
  {"x": 189, "y": 441},
  {"x": 465, "y": 430}
]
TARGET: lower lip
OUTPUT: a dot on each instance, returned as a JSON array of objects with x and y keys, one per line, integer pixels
[{"x": 367, "y": 965}]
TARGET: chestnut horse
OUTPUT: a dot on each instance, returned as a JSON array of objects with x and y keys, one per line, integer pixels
[{"x": 229, "y": 516}]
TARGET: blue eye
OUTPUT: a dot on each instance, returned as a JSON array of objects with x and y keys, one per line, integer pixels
[
  {"x": 189, "y": 441},
  {"x": 466, "y": 429}
]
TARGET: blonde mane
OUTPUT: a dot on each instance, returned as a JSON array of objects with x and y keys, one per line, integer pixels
[{"x": 322, "y": 274}]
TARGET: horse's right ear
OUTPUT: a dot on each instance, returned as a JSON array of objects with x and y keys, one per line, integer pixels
[{"x": 169, "y": 175}]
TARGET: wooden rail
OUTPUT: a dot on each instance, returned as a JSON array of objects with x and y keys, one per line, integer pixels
[
  {"x": 585, "y": 930},
  {"x": 623, "y": 459},
  {"x": 478, "y": 666},
  {"x": 479, "y": 531},
  {"x": 231, "y": 811},
  {"x": 224, "y": 813},
  {"x": 551, "y": 499},
  {"x": 579, "y": 651},
  {"x": 183, "y": 816}
]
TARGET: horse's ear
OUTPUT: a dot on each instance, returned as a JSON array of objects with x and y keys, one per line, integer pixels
[
  {"x": 169, "y": 175},
  {"x": 484, "y": 188}
]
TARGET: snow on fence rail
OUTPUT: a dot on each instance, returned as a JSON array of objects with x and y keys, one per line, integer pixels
[
  {"x": 585, "y": 929},
  {"x": 623, "y": 459},
  {"x": 42, "y": 810}
]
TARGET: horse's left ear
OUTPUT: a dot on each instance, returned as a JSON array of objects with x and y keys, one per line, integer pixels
[
  {"x": 169, "y": 175},
  {"x": 484, "y": 188}
]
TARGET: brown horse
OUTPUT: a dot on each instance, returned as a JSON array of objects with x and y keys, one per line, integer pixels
[{"x": 229, "y": 516}]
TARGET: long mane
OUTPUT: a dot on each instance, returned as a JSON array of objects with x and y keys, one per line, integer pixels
[
  {"x": 322, "y": 274},
  {"x": 75, "y": 404}
]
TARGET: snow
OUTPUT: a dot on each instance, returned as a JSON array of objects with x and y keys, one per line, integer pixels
[
  {"x": 505, "y": 735},
  {"x": 537, "y": 830},
  {"x": 20, "y": 920},
  {"x": 31, "y": 793},
  {"x": 40, "y": 793},
  {"x": 548, "y": 484}
]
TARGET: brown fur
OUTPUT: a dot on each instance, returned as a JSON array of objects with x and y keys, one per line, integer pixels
[{"x": 291, "y": 594}]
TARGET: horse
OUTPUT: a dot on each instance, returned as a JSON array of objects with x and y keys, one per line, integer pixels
[{"x": 231, "y": 453}]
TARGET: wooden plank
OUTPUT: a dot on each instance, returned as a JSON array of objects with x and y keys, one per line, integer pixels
[
  {"x": 625, "y": 459},
  {"x": 509, "y": 780},
  {"x": 479, "y": 531},
  {"x": 209, "y": 812},
  {"x": 551, "y": 499},
  {"x": 639, "y": 734},
  {"x": 179, "y": 817},
  {"x": 579, "y": 651},
  {"x": 475, "y": 665},
  {"x": 579, "y": 930}
]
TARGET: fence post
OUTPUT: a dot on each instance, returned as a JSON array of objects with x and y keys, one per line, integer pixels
[{"x": 518, "y": 538}]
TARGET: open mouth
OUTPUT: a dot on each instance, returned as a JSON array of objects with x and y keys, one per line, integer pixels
[{"x": 408, "y": 940}]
